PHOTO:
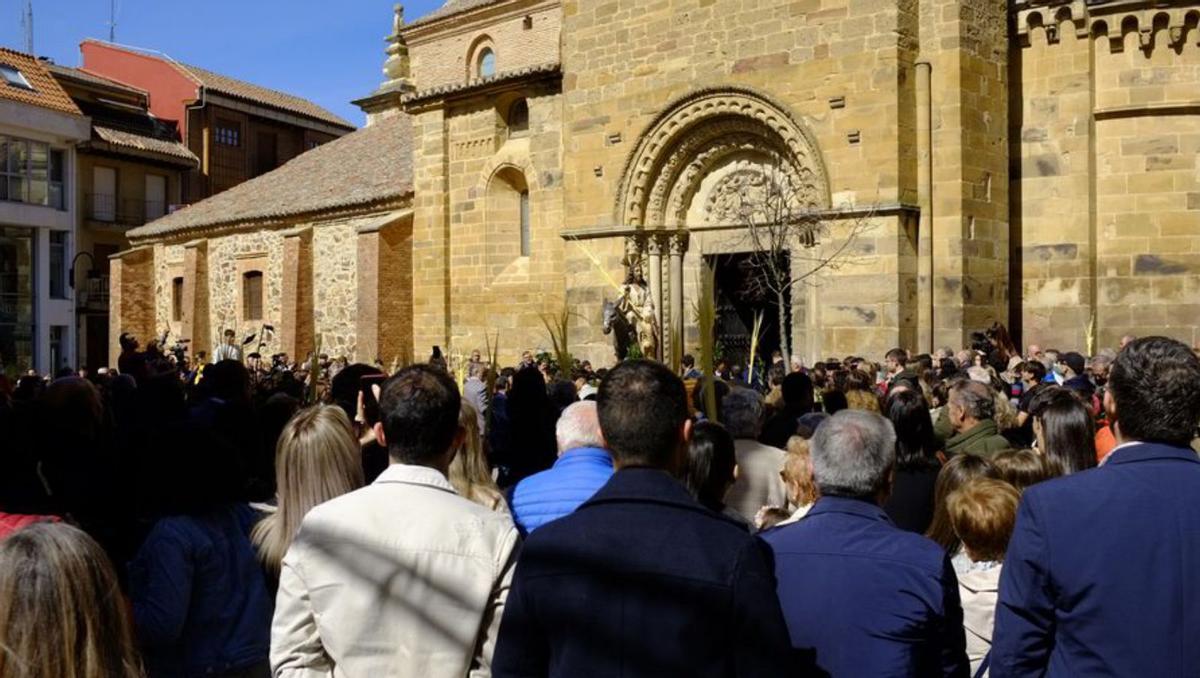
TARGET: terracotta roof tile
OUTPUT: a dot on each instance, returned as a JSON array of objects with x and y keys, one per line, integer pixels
[
  {"x": 46, "y": 92},
  {"x": 367, "y": 166},
  {"x": 145, "y": 144},
  {"x": 241, "y": 89},
  {"x": 88, "y": 77},
  {"x": 460, "y": 87}
]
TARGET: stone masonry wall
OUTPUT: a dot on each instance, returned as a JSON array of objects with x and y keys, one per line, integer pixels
[
  {"x": 440, "y": 55},
  {"x": 840, "y": 68},
  {"x": 1107, "y": 201},
  {"x": 225, "y": 284},
  {"x": 335, "y": 288}
]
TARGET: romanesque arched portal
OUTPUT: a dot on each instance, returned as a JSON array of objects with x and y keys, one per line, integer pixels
[{"x": 694, "y": 168}]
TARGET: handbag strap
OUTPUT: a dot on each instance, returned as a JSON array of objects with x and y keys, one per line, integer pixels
[{"x": 983, "y": 665}]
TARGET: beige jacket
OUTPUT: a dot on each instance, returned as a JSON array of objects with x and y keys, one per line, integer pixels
[
  {"x": 979, "y": 589},
  {"x": 401, "y": 578},
  {"x": 758, "y": 483}
]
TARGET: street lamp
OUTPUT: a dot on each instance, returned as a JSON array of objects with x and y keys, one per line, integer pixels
[{"x": 91, "y": 269}]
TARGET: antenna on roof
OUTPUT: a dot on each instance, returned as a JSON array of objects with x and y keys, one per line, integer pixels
[
  {"x": 112, "y": 20},
  {"x": 27, "y": 26}
]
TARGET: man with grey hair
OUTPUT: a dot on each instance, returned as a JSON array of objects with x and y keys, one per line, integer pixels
[
  {"x": 971, "y": 411},
  {"x": 862, "y": 597},
  {"x": 583, "y": 466},
  {"x": 758, "y": 482},
  {"x": 475, "y": 392}
]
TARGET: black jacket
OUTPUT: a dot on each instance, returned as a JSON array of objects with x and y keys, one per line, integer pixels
[{"x": 643, "y": 581}]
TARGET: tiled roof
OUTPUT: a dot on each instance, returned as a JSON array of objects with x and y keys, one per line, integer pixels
[
  {"x": 84, "y": 76},
  {"x": 46, "y": 92},
  {"x": 145, "y": 144},
  {"x": 506, "y": 76},
  {"x": 451, "y": 8},
  {"x": 371, "y": 165},
  {"x": 262, "y": 95}
]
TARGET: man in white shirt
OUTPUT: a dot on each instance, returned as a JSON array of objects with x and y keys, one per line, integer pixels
[
  {"x": 403, "y": 577},
  {"x": 228, "y": 350}
]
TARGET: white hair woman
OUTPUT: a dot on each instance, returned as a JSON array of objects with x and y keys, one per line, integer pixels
[{"x": 316, "y": 459}]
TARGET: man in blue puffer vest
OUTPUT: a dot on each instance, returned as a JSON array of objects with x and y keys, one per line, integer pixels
[{"x": 583, "y": 467}]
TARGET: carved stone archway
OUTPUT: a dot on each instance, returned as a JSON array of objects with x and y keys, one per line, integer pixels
[
  {"x": 699, "y": 133},
  {"x": 700, "y": 148}
]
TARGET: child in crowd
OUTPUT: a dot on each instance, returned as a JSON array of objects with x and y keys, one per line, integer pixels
[{"x": 982, "y": 513}]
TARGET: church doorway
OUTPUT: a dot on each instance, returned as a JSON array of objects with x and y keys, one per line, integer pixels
[{"x": 739, "y": 299}]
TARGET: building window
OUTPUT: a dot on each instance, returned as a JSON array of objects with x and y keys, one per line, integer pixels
[
  {"x": 156, "y": 196},
  {"x": 58, "y": 264},
  {"x": 266, "y": 156},
  {"x": 58, "y": 171},
  {"x": 252, "y": 295},
  {"x": 58, "y": 347},
  {"x": 518, "y": 117},
  {"x": 13, "y": 76},
  {"x": 31, "y": 172},
  {"x": 177, "y": 299},
  {"x": 526, "y": 236},
  {"x": 487, "y": 63},
  {"x": 17, "y": 257},
  {"x": 229, "y": 133}
]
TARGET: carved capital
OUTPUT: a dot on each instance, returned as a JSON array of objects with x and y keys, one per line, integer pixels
[
  {"x": 656, "y": 244},
  {"x": 679, "y": 243}
]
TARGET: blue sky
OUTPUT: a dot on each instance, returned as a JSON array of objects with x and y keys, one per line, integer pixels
[{"x": 329, "y": 51}]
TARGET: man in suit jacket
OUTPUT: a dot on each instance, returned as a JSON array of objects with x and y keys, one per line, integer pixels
[
  {"x": 1100, "y": 574},
  {"x": 403, "y": 577},
  {"x": 642, "y": 580},
  {"x": 861, "y": 596}
]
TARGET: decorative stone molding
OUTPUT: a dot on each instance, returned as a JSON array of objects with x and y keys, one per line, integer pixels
[
  {"x": 1111, "y": 20},
  {"x": 678, "y": 243},
  {"x": 700, "y": 130}
]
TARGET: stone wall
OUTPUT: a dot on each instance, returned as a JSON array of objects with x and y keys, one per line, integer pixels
[
  {"x": 225, "y": 285},
  {"x": 521, "y": 34},
  {"x": 1107, "y": 201},
  {"x": 840, "y": 70},
  {"x": 335, "y": 288}
]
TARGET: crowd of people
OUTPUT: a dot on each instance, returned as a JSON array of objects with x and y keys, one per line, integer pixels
[{"x": 964, "y": 513}]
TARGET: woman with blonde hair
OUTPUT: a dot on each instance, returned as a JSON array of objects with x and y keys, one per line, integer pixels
[
  {"x": 797, "y": 477},
  {"x": 469, "y": 472},
  {"x": 61, "y": 613},
  {"x": 861, "y": 399},
  {"x": 316, "y": 459}
]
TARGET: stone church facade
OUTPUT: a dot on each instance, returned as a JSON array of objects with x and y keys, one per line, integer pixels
[{"x": 1032, "y": 163}]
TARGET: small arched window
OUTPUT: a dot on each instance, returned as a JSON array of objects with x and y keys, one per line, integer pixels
[
  {"x": 518, "y": 117},
  {"x": 487, "y": 63}
]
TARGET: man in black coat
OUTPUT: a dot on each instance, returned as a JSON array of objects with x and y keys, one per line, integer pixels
[{"x": 642, "y": 580}]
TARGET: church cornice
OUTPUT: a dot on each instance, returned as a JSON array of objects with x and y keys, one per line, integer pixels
[
  {"x": 1111, "y": 19},
  {"x": 500, "y": 81}
]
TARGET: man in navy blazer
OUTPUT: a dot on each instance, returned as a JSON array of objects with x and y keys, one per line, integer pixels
[
  {"x": 1101, "y": 573},
  {"x": 641, "y": 580},
  {"x": 861, "y": 596}
]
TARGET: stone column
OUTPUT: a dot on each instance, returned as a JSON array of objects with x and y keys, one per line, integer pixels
[
  {"x": 296, "y": 334},
  {"x": 677, "y": 248},
  {"x": 131, "y": 298},
  {"x": 925, "y": 322},
  {"x": 385, "y": 292},
  {"x": 655, "y": 246},
  {"x": 195, "y": 324}
]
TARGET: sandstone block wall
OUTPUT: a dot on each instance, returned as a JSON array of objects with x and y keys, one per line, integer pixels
[
  {"x": 1107, "y": 134},
  {"x": 521, "y": 34}
]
